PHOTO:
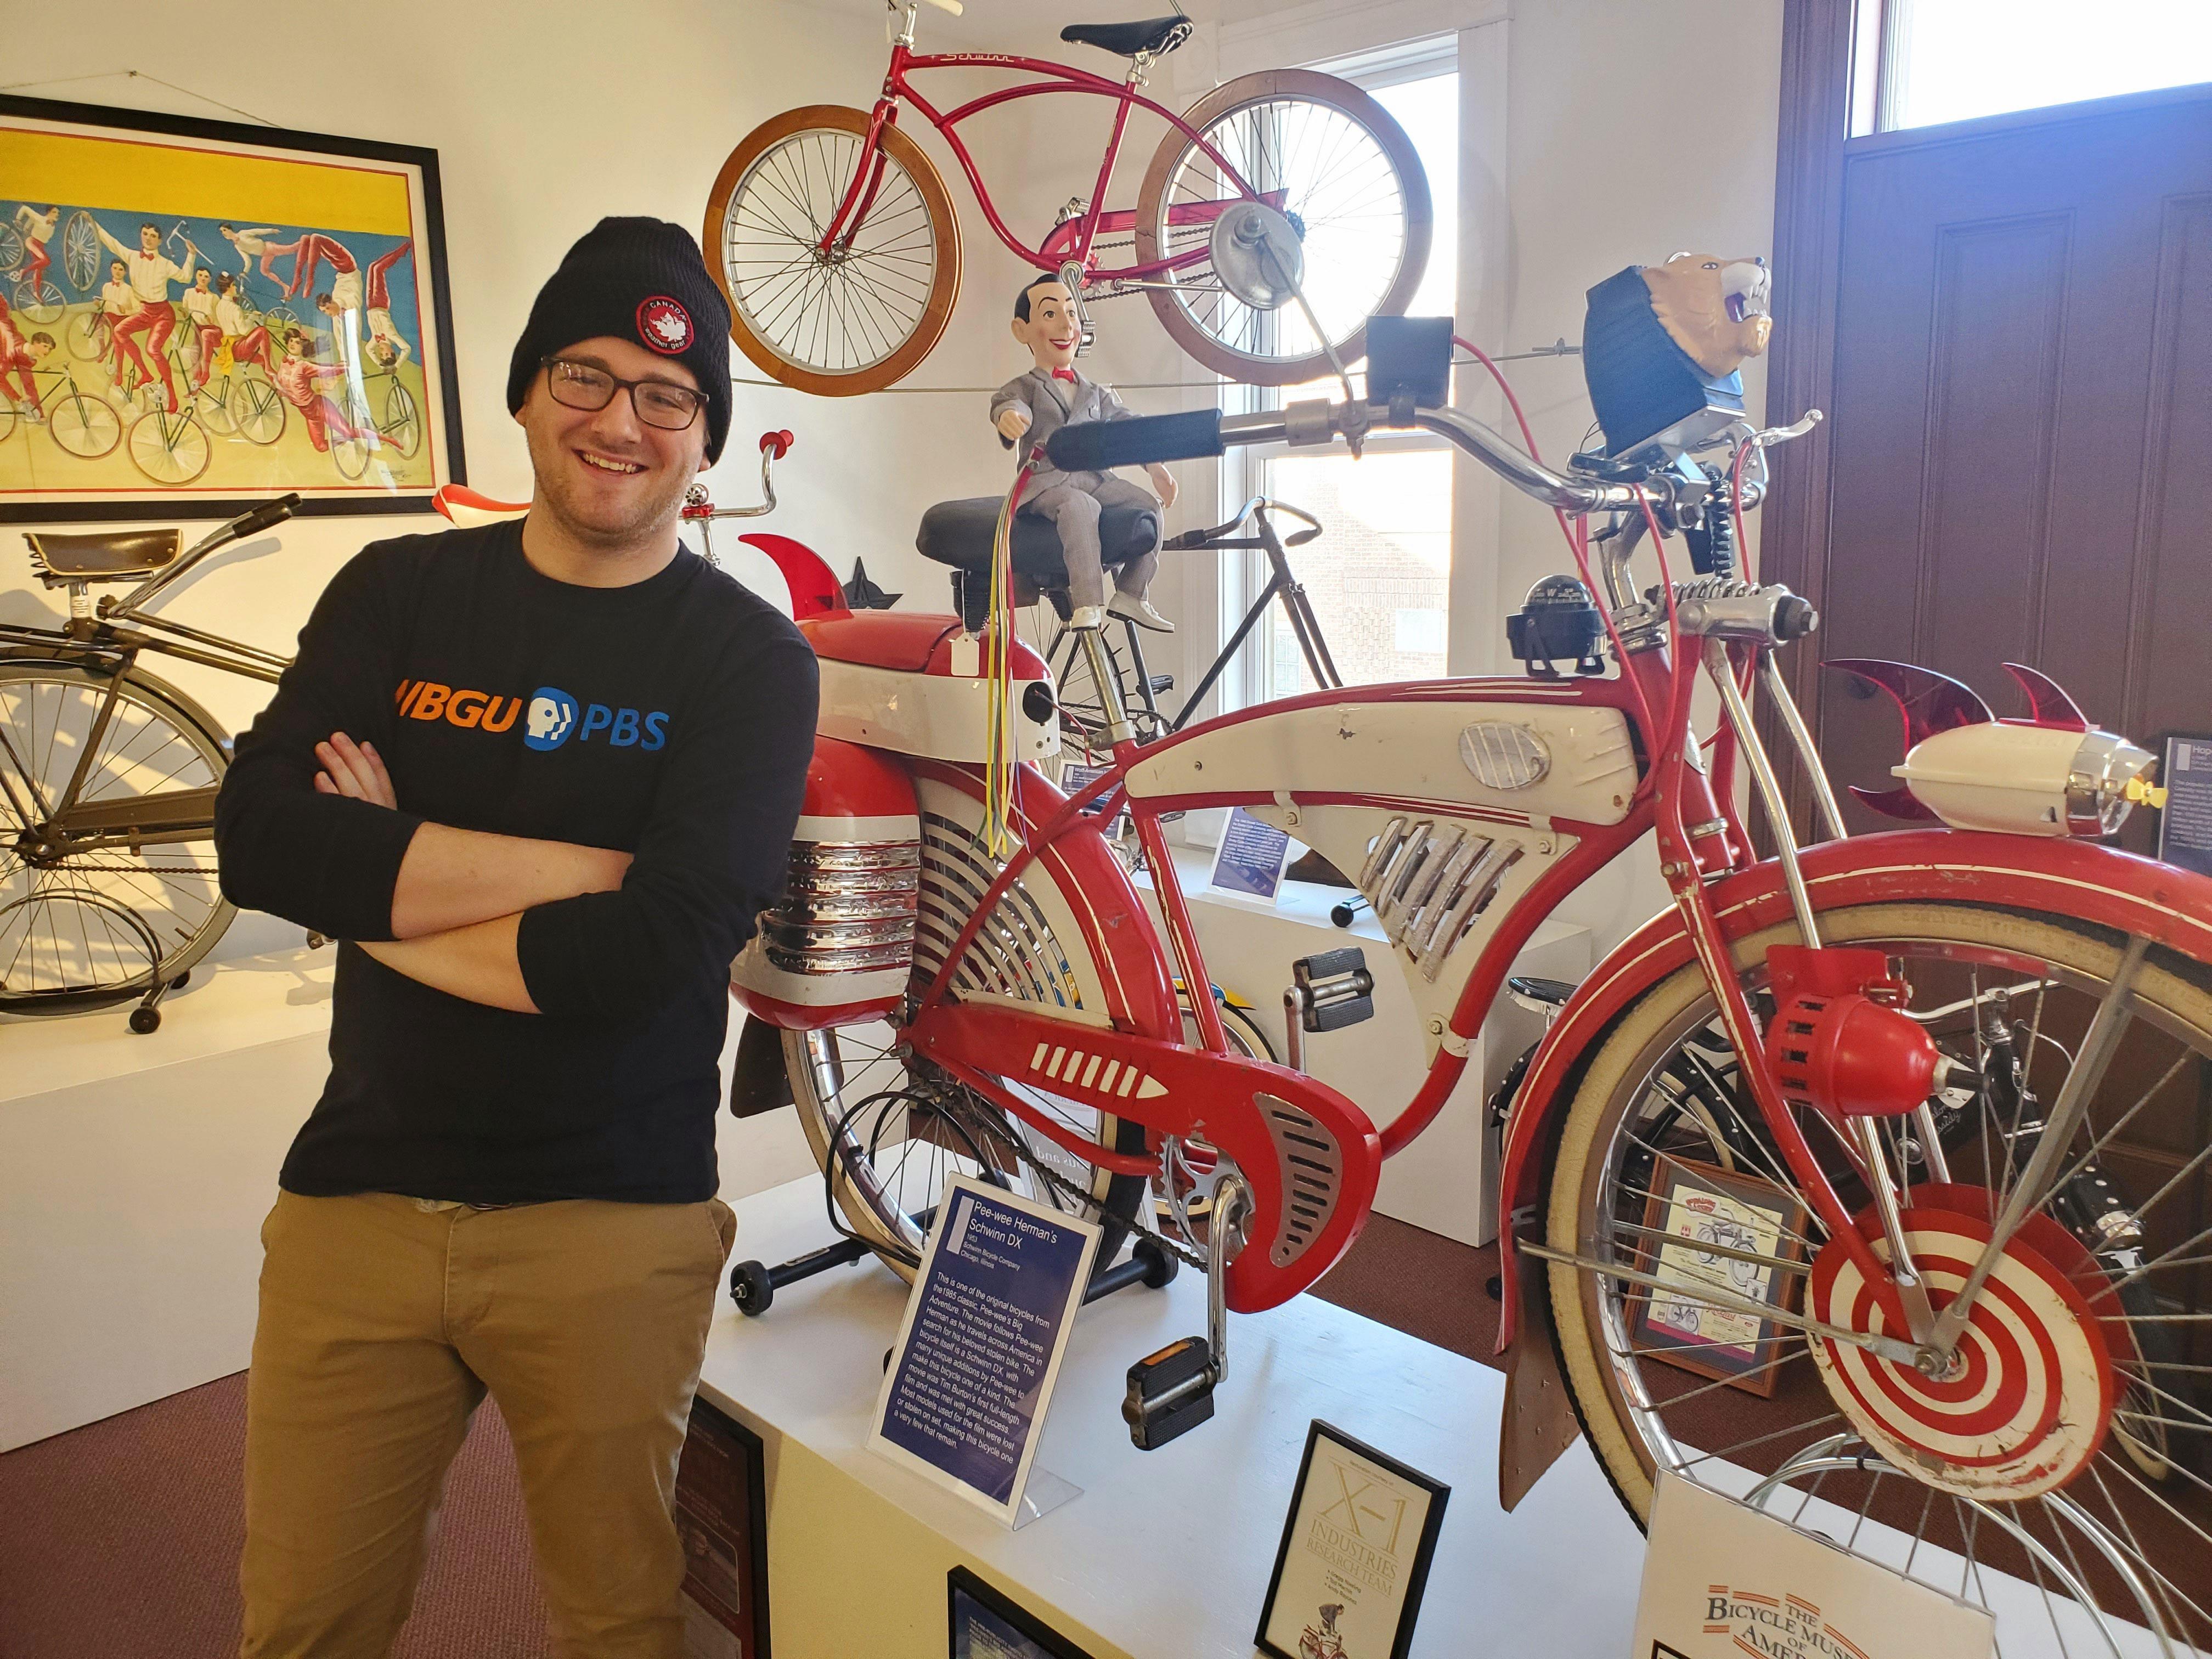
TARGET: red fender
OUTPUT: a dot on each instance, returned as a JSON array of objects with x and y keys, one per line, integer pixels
[{"x": 2074, "y": 878}]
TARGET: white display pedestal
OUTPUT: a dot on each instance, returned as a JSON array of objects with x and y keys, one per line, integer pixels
[
  {"x": 135, "y": 1172},
  {"x": 1166, "y": 1554}
]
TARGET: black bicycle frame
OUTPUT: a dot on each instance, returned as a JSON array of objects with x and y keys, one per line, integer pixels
[{"x": 1282, "y": 585}]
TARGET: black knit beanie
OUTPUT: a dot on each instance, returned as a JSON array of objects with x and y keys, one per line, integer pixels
[{"x": 634, "y": 279}]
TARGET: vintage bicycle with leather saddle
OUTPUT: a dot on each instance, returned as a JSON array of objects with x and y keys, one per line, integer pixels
[{"x": 108, "y": 776}]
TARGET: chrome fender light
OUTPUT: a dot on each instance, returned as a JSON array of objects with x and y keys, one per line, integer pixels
[{"x": 2026, "y": 780}]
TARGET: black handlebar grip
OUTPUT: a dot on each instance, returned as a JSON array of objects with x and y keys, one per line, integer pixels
[
  {"x": 268, "y": 514},
  {"x": 1095, "y": 446}
]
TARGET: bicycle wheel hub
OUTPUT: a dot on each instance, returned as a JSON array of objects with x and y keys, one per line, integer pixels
[
  {"x": 1257, "y": 254},
  {"x": 2022, "y": 1408}
]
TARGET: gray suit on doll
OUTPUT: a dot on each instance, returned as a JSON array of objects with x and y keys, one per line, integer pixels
[{"x": 1072, "y": 501}]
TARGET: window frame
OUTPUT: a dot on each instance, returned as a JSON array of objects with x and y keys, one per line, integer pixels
[
  {"x": 1880, "y": 74},
  {"x": 1242, "y": 573}
]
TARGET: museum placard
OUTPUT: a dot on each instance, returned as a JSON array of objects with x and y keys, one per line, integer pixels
[
  {"x": 1722, "y": 1580},
  {"x": 964, "y": 1398}
]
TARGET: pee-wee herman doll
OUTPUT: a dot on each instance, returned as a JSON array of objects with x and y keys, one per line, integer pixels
[{"x": 1030, "y": 409}]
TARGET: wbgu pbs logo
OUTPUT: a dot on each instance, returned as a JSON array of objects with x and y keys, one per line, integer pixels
[{"x": 554, "y": 717}]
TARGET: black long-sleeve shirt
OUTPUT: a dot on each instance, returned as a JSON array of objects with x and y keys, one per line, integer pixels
[{"x": 672, "y": 720}]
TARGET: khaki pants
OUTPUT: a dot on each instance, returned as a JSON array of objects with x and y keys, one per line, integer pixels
[
  {"x": 1073, "y": 503},
  {"x": 385, "y": 1319}
]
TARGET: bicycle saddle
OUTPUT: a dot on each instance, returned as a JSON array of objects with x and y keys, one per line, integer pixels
[
  {"x": 1158, "y": 36},
  {"x": 110, "y": 555},
  {"x": 960, "y": 534}
]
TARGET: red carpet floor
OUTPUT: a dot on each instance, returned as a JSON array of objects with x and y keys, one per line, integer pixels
[{"x": 120, "y": 1540}]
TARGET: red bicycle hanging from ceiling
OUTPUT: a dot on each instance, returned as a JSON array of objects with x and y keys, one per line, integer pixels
[{"x": 834, "y": 238}]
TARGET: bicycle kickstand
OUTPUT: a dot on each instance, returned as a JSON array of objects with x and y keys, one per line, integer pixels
[
  {"x": 1172, "y": 1392},
  {"x": 146, "y": 1017}
]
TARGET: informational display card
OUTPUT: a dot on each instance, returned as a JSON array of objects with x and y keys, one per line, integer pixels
[
  {"x": 1722, "y": 1580},
  {"x": 2185, "y": 827},
  {"x": 1074, "y": 779},
  {"x": 988, "y": 1625},
  {"x": 963, "y": 1401},
  {"x": 1251, "y": 858}
]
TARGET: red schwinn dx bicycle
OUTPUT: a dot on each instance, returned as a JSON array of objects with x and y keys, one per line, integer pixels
[
  {"x": 834, "y": 238},
  {"x": 1900, "y": 1058}
]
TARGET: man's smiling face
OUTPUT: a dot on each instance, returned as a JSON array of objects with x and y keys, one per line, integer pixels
[
  {"x": 1050, "y": 332},
  {"x": 609, "y": 479}
]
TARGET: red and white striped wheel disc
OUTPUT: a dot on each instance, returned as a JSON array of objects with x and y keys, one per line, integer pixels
[{"x": 2028, "y": 1410}]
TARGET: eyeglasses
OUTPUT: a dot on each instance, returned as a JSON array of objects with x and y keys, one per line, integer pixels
[{"x": 581, "y": 386}]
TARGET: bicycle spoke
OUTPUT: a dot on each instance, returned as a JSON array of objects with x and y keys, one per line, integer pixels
[
  {"x": 1919, "y": 1532},
  {"x": 1759, "y": 1440},
  {"x": 2168, "y": 1589},
  {"x": 2019, "y": 1102}
]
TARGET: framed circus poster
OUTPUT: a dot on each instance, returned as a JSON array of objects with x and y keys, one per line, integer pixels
[{"x": 201, "y": 315}]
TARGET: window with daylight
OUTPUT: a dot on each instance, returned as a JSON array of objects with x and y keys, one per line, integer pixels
[
  {"x": 1379, "y": 575},
  {"x": 1955, "y": 60}
]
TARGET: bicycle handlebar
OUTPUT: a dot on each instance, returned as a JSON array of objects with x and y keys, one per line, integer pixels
[
  {"x": 1207, "y": 538},
  {"x": 1142, "y": 441},
  {"x": 1095, "y": 446},
  {"x": 128, "y": 608},
  {"x": 261, "y": 517},
  {"x": 697, "y": 505}
]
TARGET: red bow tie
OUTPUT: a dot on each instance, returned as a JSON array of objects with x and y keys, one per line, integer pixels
[{"x": 1063, "y": 374}]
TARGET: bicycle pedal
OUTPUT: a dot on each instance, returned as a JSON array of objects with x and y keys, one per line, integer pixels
[
  {"x": 1332, "y": 989},
  {"x": 1162, "y": 682},
  {"x": 1170, "y": 1393}
]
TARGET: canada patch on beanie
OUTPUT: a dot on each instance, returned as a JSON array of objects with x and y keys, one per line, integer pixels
[{"x": 634, "y": 279}]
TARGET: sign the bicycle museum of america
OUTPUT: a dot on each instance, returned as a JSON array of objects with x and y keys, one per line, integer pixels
[
  {"x": 202, "y": 315},
  {"x": 1722, "y": 1580}
]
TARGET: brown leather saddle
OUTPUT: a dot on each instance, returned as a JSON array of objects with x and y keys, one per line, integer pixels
[{"x": 111, "y": 555}]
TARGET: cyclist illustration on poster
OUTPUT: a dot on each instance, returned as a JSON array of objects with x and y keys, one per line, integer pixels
[{"x": 257, "y": 320}]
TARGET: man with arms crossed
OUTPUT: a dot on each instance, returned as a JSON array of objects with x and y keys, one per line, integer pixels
[{"x": 542, "y": 775}]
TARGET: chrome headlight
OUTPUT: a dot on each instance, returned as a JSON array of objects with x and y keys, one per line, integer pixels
[{"x": 2097, "y": 800}]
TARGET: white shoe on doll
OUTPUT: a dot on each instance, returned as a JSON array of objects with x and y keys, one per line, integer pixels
[
  {"x": 1087, "y": 615},
  {"x": 1131, "y": 608}
]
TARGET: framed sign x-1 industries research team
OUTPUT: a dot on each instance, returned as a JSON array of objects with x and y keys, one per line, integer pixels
[{"x": 1355, "y": 1554}]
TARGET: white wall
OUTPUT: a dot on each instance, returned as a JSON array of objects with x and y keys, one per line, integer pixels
[
  {"x": 545, "y": 118},
  {"x": 1634, "y": 131}
]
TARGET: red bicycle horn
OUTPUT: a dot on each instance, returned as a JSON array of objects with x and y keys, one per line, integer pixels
[{"x": 1838, "y": 1042}]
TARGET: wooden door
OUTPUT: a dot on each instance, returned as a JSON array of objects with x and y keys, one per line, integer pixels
[
  {"x": 2021, "y": 454},
  {"x": 2009, "y": 323}
]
